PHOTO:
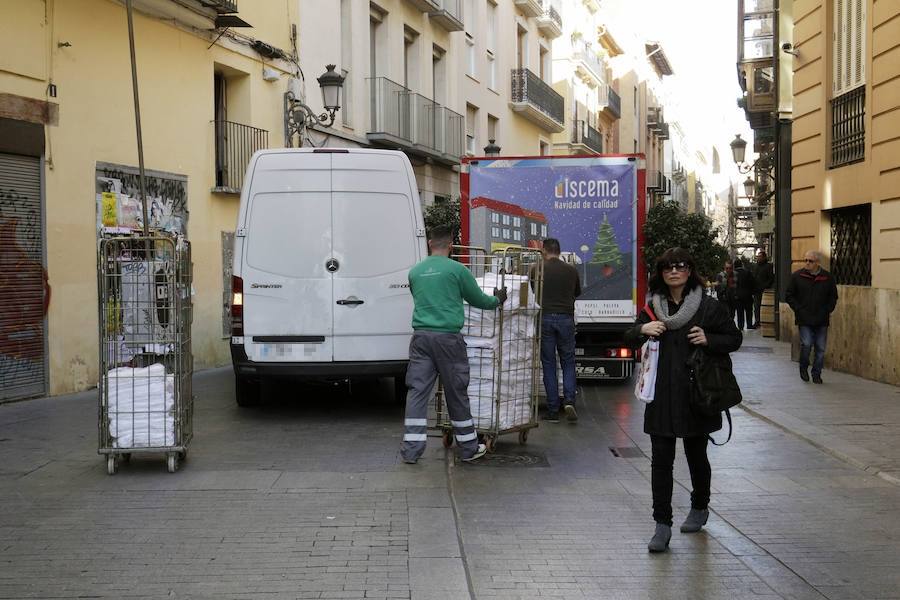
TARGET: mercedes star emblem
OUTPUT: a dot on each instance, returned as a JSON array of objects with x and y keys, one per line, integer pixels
[{"x": 332, "y": 265}]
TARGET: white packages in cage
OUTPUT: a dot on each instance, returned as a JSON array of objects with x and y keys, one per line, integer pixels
[
  {"x": 500, "y": 384},
  {"x": 520, "y": 298},
  {"x": 141, "y": 407}
]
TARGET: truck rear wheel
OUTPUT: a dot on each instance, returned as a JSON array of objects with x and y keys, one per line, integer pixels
[{"x": 247, "y": 391}]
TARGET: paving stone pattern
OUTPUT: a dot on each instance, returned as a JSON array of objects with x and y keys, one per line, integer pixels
[{"x": 305, "y": 498}]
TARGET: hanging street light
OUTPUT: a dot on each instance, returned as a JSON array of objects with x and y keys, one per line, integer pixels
[
  {"x": 298, "y": 117},
  {"x": 749, "y": 188}
]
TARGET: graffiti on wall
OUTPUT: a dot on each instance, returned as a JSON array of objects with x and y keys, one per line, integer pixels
[
  {"x": 24, "y": 293},
  {"x": 118, "y": 198}
]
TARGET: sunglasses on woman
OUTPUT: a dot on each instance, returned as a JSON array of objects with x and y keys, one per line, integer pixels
[{"x": 680, "y": 267}]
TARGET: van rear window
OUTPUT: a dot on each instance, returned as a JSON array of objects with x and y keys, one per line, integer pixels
[
  {"x": 290, "y": 233},
  {"x": 374, "y": 233}
]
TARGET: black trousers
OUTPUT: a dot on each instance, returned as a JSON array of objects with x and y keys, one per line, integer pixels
[
  {"x": 661, "y": 479},
  {"x": 745, "y": 310}
]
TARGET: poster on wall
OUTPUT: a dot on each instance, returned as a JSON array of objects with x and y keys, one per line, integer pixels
[
  {"x": 118, "y": 200},
  {"x": 588, "y": 204}
]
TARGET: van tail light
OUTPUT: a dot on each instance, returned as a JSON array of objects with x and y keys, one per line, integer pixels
[
  {"x": 237, "y": 305},
  {"x": 619, "y": 353}
]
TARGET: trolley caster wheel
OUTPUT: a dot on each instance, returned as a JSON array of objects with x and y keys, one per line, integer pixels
[
  {"x": 490, "y": 443},
  {"x": 126, "y": 457},
  {"x": 111, "y": 465},
  {"x": 182, "y": 455},
  {"x": 447, "y": 439},
  {"x": 523, "y": 436},
  {"x": 172, "y": 462}
]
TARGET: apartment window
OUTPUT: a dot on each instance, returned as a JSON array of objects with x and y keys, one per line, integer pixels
[
  {"x": 545, "y": 64},
  {"x": 470, "y": 17},
  {"x": 438, "y": 75},
  {"x": 517, "y": 221},
  {"x": 495, "y": 232},
  {"x": 506, "y": 219},
  {"x": 346, "y": 60},
  {"x": 470, "y": 55},
  {"x": 544, "y": 230},
  {"x": 545, "y": 148},
  {"x": 506, "y": 234},
  {"x": 534, "y": 229},
  {"x": 410, "y": 59},
  {"x": 491, "y": 25},
  {"x": 471, "y": 127},
  {"x": 517, "y": 235},
  {"x": 492, "y": 70},
  {"x": 851, "y": 245},
  {"x": 492, "y": 127},
  {"x": 377, "y": 32},
  {"x": 495, "y": 218},
  {"x": 848, "y": 133},
  {"x": 521, "y": 47}
]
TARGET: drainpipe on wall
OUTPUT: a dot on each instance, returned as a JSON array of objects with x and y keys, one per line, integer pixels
[{"x": 137, "y": 119}]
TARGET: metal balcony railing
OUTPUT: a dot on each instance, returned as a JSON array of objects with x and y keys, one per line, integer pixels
[
  {"x": 551, "y": 14},
  {"x": 530, "y": 89},
  {"x": 225, "y": 7},
  {"x": 592, "y": 63},
  {"x": 235, "y": 144},
  {"x": 584, "y": 134},
  {"x": 413, "y": 122},
  {"x": 848, "y": 127},
  {"x": 613, "y": 102}
]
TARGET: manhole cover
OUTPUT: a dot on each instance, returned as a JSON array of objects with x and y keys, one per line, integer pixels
[
  {"x": 755, "y": 349},
  {"x": 627, "y": 452},
  {"x": 517, "y": 459}
]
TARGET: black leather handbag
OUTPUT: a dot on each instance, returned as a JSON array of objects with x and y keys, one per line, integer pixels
[{"x": 714, "y": 388}]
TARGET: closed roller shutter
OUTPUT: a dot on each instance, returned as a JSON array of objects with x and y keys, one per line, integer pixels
[{"x": 23, "y": 282}]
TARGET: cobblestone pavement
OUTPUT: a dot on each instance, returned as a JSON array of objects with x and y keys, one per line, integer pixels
[{"x": 305, "y": 498}]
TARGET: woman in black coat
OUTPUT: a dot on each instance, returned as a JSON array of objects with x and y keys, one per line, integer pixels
[{"x": 682, "y": 317}]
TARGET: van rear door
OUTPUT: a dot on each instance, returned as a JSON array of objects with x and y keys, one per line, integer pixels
[
  {"x": 376, "y": 216},
  {"x": 288, "y": 295}
]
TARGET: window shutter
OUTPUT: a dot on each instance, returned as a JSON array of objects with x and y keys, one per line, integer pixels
[
  {"x": 838, "y": 48},
  {"x": 859, "y": 43}
]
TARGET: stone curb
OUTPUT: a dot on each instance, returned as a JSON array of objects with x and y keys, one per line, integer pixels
[{"x": 840, "y": 455}]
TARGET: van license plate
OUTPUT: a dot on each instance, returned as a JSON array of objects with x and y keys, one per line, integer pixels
[{"x": 579, "y": 351}]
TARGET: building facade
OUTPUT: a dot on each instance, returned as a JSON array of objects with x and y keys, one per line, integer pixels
[
  {"x": 845, "y": 172},
  {"x": 67, "y": 133}
]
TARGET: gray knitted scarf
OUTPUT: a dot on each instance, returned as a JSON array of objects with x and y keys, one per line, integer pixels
[{"x": 690, "y": 305}]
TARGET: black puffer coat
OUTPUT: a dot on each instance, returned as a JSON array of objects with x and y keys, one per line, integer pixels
[{"x": 670, "y": 413}]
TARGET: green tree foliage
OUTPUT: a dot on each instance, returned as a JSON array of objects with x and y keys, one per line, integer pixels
[
  {"x": 444, "y": 213},
  {"x": 606, "y": 250},
  {"x": 668, "y": 226}
]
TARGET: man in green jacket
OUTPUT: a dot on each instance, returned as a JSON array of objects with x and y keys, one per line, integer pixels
[{"x": 439, "y": 285}]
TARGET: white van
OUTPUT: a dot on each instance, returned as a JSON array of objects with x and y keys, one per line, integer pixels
[{"x": 324, "y": 241}]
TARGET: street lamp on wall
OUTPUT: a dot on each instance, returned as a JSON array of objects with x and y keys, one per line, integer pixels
[
  {"x": 492, "y": 149},
  {"x": 298, "y": 117},
  {"x": 749, "y": 188},
  {"x": 739, "y": 154}
]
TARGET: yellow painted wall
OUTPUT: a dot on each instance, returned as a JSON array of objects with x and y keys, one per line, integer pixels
[
  {"x": 816, "y": 188},
  {"x": 96, "y": 125}
]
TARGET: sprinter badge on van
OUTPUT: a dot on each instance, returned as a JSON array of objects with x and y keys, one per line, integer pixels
[{"x": 332, "y": 265}]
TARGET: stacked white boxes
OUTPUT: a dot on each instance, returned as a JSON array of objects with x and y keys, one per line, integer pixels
[{"x": 501, "y": 355}]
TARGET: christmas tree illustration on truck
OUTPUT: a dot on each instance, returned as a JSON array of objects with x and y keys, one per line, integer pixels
[{"x": 606, "y": 249}]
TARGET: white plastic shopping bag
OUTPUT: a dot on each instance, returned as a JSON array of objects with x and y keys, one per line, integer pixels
[{"x": 645, "y": 386}]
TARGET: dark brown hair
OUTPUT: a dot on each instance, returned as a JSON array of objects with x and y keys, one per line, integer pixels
[{"x": 674, "y": 255}]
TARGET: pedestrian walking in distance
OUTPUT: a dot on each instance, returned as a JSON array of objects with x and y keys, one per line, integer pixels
[
  {"x": 439, "y": 285},
  {"x": 812, "y": 295},
  {"x": 726, "y": 288},
  {"x": 744, "y": 290},
  {"x": 764, "y": 275},
  {"x": 561, "y": 286},
  {"x": 680, "y": 308}
]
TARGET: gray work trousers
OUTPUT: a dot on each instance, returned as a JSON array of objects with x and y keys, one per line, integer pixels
[{"x": 433, "y": 353}]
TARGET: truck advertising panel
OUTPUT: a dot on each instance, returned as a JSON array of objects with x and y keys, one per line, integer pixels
[{"x": 588, "y": 203}]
